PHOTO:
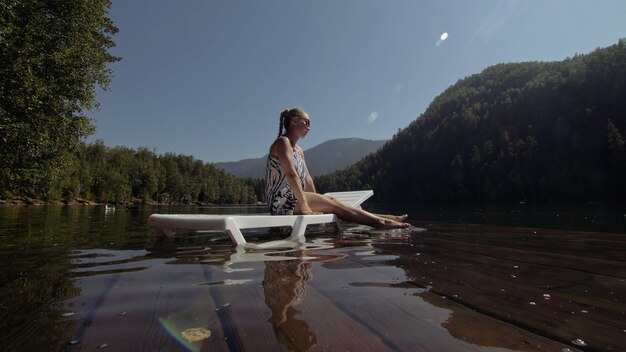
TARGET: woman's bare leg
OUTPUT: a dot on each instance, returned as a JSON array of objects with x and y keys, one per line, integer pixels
[{"x": 325, "y": 204}]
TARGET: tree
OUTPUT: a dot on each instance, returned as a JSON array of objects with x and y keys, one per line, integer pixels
[
  {"x": 52, "y": 56},
  {"x": 616, "y": 161},
  {"x": 614, "y": 138}
]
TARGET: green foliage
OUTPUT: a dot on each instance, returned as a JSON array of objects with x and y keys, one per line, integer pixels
[
  {"x": 535, "y": 131},
  {"x": 52, "y": 56},
  {"x": 122, "y": 174},
  {"x": 258, "y": 188}
]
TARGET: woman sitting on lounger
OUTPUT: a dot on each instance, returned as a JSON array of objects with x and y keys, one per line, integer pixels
[{"x": 289, "y": 187}]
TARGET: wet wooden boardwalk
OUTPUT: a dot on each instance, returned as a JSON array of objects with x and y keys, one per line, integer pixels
[
  {"x": 569, "y": 287},
  {"x": 452, "y": 288}
]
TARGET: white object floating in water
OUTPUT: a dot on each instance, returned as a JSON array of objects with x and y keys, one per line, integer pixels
[{"x": 579, "y": 342}]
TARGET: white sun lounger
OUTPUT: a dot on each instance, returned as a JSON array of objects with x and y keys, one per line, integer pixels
[{"x": 168, "y": 224}]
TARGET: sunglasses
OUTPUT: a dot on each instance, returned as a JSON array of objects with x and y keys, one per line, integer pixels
[{"x": 306, "y": 121}]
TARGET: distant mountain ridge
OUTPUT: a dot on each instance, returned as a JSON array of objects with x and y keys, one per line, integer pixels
[{"x": 330, "y": 156}]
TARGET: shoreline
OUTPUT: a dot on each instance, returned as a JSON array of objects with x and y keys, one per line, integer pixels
[{"x": 84, "y": 202}]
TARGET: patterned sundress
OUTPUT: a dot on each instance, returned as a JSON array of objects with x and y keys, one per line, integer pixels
[{"x": 280, "y": 197}]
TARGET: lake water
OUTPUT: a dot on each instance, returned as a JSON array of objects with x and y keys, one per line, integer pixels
[{"x": 495, "y": 278}]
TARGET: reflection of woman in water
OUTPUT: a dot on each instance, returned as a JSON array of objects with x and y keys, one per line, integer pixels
[{"x": 285, "y": 285}]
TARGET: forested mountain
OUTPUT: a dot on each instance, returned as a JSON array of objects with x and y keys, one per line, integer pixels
[
  {"x": 533, "y": 131},
  {"x": 121, "y": 174},
  {"x": 332, "y": 155}
]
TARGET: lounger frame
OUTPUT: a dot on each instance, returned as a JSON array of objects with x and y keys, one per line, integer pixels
[{"x": 168, "y": 224}]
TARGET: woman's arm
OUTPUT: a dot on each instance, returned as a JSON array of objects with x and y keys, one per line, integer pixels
[
  {"x": 284, "y": 152},
  {"x": 310, "y": 186}
]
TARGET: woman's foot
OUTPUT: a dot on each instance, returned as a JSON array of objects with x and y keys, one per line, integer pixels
[
  {"x": 386, "y": 223},
  {"x": 398, "y": 218}
]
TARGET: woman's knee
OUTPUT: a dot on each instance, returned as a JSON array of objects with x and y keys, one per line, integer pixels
[
  {"x": 332, "y": 200},
  {"x": 323, "y": 203},
  {"x": 336, "y": 204}
]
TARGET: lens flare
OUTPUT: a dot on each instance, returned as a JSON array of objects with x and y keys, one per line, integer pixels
[
  {"x": 174, "y": 330},
  {"x": 441, "y": 39}
]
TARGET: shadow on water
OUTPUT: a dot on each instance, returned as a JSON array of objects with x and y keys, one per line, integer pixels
[{"x": 82, "y": 278}]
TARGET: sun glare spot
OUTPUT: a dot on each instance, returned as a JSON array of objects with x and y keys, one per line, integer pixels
[{"x": 442, "y": 38}]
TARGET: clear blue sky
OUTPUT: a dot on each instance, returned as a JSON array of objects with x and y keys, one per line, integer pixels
[{"x": 209, "y": 78}]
